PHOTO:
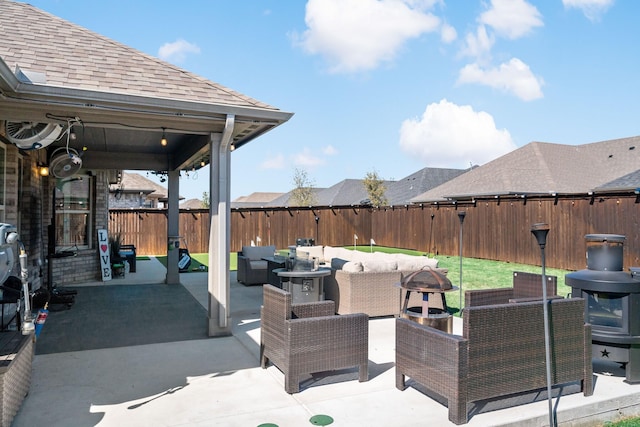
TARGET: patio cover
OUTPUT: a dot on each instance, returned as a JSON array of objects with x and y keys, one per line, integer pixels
[{"x": 122, "y": 102}]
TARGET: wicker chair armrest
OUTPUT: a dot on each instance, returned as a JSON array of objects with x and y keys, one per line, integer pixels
[
  {"x": 429, "y": 346},
  {"x": 481, "y": 297},
  {"x": 328, "y": 334},
  {"x": 314, "y": 309}
]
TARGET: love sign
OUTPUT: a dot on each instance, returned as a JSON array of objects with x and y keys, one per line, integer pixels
[{"x": 105, "y": 256}]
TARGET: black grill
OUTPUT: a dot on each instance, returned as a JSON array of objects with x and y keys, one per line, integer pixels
[{"x": 613, "y": 302}]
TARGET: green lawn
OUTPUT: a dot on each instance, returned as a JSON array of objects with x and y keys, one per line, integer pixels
[
  {"x": 202, "y": 259},
  {"x": 628, "y": 422}
]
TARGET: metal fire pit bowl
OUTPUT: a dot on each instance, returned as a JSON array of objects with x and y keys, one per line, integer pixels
[{"x": 427, "y": 282}]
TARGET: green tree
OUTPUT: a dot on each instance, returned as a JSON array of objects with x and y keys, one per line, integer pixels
[
  {"x": 205, "y": 200},
  {"x": 303, "y": 193},
  {"x": 375, "y": 189}
]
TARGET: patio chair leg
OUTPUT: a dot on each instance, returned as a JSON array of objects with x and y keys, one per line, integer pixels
[
  {"x": 400, "y": 384},
  {"x": 364, "y": 372},
  {"x": 291, "y": 383},
  {"x": 457, "y": 411},
  {"x": 264, "y": 361}
]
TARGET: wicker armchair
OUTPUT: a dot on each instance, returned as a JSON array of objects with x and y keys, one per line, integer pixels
[
  {"x": 307, "y": 338},
  {"x": 526, "y": 287},
  {"x": 501, "y": 352},
  {"x": 252, "y": 268}
]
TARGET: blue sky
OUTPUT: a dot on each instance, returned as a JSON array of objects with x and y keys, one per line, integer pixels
[{"x": 393, "y": 86}]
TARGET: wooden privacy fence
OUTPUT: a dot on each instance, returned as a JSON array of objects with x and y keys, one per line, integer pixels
[{"x": 497, "y": 229}]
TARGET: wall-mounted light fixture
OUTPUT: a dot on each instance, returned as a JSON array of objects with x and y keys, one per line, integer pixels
[
  {"x": 202, "y": 163},
  {"x": 43, "y": 169},
  {"x": 163, "y": 141}
]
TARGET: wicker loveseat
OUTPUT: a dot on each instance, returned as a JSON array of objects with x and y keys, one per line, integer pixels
[
  {"x": 501, "y": 352},
  {"x": 373, "y": 293},
  {"x": 364, "y": 282}
]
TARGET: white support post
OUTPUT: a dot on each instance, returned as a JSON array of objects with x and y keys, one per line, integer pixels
[{"x": 219, "y": 283}]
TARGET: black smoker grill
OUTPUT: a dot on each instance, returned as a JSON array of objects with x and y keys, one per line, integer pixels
[{"x": 612, "y": 302}]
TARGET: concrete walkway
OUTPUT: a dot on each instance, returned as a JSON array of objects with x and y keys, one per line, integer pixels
[{"x": 219, "y": 382}]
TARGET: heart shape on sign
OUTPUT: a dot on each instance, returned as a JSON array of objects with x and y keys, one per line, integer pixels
[{"x": 104, "y": 248}]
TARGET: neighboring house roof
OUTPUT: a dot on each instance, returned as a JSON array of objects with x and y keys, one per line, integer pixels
[
  {"x": 401, "y": 192},
  {"x": 258, "y": 197},
  {"x": 192, "y": 204},
  {"x": 132, "y": 182},
  {"x": 544, "y": 168},
  {"x": 346, "y": 192},
  {"x": 352, "y": 191},
  {"x": 283, "y": 200},
  {"x": 255, "y": 200},
  {"x": 624, "y": 183}
]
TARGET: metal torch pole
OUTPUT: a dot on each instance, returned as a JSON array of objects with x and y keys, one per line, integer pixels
[
  {"x": 540, "y": 231},
  {"x": 461, "y": 216}
]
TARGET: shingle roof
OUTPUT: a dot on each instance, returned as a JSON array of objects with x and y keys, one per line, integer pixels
[
  {"x": 192, "y": 204},
  {"x": 401, "y": 192},
  {"x": 543, "y": 168},
  {"x": 346, "y": 192},
  {"x": 352, "y": 191},
  {"x": 132, "y": 182},
  {"x": 81, "y": 59},
  {"x": 258, "y": 197},
  {"x": 255, "y": 200},
  {"x": 627, "y": 182},
  {"x": 283, "y": 200}
]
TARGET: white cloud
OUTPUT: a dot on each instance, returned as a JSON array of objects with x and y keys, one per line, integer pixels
[
  {"x": 592, "y": 9},
  {"x": 329, "y": 150},
  {"x": 177, "y": 51},
  {"x": 273, "y": 162},
  {"x": 514, "y": 77},
  {"x": 448, "y": 33},
  {"x": 511, "y": 18},
  {"x": 359, "y": 35},
  {"x": 478, "y": 45},
  {"x": 450, "y": 135},
  {"x": 306, "y": 159}
]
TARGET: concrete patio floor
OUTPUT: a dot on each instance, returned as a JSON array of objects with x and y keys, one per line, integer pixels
[{"x": 219, "y": 382}]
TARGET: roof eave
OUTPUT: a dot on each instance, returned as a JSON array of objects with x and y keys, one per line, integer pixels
[{"x": 92, "y": 102}]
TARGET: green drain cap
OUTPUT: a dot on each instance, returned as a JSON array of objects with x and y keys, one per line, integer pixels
[{"x": 321, "y": 420}]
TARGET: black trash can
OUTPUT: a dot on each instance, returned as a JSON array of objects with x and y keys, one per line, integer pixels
[{"x": 128, "y": 252}]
